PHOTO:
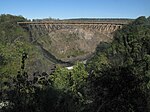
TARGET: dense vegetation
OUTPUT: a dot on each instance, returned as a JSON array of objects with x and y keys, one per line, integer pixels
[
  {"x": 116, "y": 79},
  {"x": 14, "y": 40}
]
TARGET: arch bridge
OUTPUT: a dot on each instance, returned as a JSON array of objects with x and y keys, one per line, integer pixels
[{"x": 101, "y": 26}]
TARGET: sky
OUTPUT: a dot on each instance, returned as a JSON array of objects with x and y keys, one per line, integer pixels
[{"x": 64, "y": 9}]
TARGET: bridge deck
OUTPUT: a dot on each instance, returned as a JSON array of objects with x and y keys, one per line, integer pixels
[{"x": 71, "y": 22}]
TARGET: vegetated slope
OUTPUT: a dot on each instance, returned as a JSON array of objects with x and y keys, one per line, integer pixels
[
  {"x": 14, "y": 40},
  {"x": 120, "y": 71}
]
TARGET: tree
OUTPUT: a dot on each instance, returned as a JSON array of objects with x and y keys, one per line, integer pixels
[
  {"x": 124, "y": 80},
  {"x": 73, "y": 83}
]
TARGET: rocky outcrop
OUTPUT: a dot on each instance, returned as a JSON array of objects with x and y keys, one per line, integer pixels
[{"x": 69, "y": 45}]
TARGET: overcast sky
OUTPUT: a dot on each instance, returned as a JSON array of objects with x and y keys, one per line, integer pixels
[{"x": 76, "y": 8}]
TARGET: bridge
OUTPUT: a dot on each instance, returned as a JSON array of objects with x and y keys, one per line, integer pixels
[{"x": 100, "y": 26}]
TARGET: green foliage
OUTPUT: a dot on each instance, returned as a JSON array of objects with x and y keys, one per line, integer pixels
[
  {"x": 11, "y": 55},
  {"x": 98, "y": 64},
  {"x": 9, "y": 30},
  {"x": 43, "y": 92},
  {"x": 118, "y": 86},
  {"x": 29, "y": 94},
  {"x": 133, "y": 40},
  {"x": 11, "y": 43},
  {"x": 119, "y": 73},
  {"x": 70, "y": 80},
  {"x": 14, "y": 40}
]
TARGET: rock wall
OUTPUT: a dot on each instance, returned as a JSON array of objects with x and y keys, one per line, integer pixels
[{"x": 68, "y": 45}]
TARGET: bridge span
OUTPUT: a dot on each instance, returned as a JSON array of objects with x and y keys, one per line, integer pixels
[{"x": 101, "y": 26}]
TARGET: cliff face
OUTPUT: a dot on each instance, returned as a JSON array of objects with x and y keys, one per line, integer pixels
[{"x": 69, "y": 45}]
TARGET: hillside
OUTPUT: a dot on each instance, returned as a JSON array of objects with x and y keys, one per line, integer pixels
[
  {"x": 45, "y": 49},
  {"x": 14, "y": 41}
]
